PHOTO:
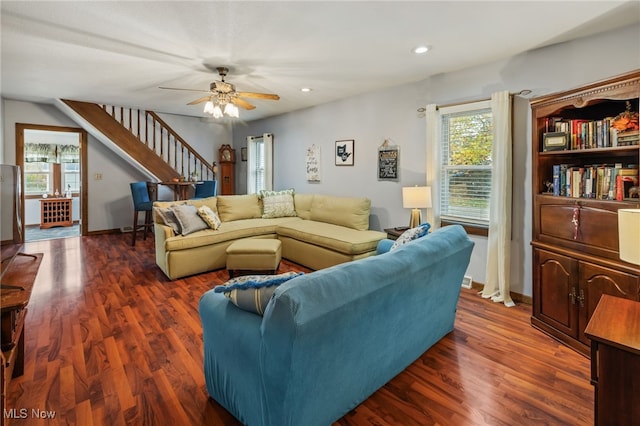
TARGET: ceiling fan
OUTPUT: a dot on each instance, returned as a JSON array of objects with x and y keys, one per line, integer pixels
[{"x": 222, "y": 96}]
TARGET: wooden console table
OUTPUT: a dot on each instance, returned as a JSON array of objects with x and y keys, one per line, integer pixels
[
  {"x": 56, "y": 212},
  {"x": 17, "y": 283},
  {"x": 614, "y": 330}
]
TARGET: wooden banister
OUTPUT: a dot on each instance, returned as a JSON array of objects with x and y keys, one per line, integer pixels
[{"x": 166, "y": 143}]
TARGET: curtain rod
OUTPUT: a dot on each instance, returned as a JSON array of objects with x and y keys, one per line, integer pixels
[{"x": 523, "y": 92}]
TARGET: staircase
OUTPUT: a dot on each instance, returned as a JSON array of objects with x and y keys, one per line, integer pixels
[{"x": 147, "y": 139}]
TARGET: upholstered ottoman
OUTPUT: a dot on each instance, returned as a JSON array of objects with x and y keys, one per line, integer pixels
[{"x": 253, "y": 255}]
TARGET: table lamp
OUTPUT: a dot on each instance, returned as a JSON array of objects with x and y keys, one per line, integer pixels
[
  {"x": 416, "y": 198},
  {"x": 629, "y": 235}
]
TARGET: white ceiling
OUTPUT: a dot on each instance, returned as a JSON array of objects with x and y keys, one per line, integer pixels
[{"x": 120, "y": 52}]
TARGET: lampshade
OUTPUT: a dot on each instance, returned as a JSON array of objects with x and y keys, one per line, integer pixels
[
  {"x": 416, "y": 197},
  {"x": 629, "y": 235}
]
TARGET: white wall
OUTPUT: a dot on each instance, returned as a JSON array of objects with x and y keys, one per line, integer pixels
[{"x": 391, "y": 113}]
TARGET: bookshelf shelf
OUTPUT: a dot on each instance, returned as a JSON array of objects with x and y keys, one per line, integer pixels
[{"x": 575, "y": 237}]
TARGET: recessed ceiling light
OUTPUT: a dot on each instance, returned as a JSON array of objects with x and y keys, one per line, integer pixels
[
  {"x": 306, "y": 89},
  {"x": 421, "y": 49}
]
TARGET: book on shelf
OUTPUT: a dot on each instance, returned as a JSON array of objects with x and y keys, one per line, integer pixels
[
  {"x": 628, "y": 137},
  {"x": 595, "y": 181}
]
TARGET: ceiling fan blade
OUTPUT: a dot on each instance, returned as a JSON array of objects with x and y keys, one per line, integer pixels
[
  {"x": 242, "y": 103},
  {"x": 258, "y": 95},
  {"x": 188, "y": 90},
  {"x": 200, "y": 100}
]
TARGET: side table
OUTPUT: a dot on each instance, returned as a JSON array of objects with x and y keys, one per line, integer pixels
[
  {"x": 614, "y": 330},
  {"x": 394, "y": 233}
]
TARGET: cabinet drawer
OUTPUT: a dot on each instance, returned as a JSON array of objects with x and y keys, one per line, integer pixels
[{"x": 593, "y": 226}]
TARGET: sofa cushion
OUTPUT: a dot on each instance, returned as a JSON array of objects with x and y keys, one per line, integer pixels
[
  {"x": 277, "y": 203},
  {"x": 209, "y": 216},
  {"x": 410, "y": 235},
  {"x": 166, "y": 216},
  {"x": 237, "y": 207},
  {"x": 302, "y": 204},
  {"x": 334, "y": 237},
  {"x": 228, "y": 231},
  {"x": 352, "y": 212},
  {"x": 253, "y": 292},
  {"x": 189, "y": 219},
  {"x": 211, "y": 202}
]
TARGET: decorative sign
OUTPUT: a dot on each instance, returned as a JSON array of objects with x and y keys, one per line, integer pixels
[
  {"x": 313, "y": 163},
  {"x": 388, "y": 156}
]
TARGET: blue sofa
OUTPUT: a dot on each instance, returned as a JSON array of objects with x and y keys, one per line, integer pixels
[{"x": 331, "y": 338}]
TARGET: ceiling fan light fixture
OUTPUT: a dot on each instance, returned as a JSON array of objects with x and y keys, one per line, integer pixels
[
  {"x": 208, "y": 107},
  {"x": 217, "y": 111},
  {"x": 231, "y": 110}
]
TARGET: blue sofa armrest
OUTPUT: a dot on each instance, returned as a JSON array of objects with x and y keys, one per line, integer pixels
[{"x": 384, "y": 246}]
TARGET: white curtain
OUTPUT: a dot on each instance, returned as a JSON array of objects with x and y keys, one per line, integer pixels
[
  {"x": 499, "y": 243},
  {"x": 433, "y": 163}
]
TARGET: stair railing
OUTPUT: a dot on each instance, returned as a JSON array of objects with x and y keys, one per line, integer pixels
[{"x": 159, "y": 137}]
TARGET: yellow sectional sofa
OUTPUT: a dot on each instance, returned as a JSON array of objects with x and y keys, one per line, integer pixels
[{"x": 326, "y": 230}]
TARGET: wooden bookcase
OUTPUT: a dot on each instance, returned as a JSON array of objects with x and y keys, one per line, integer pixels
[
  {"x": 575, "y": 238},
  {"x": 56, "y": 212}
]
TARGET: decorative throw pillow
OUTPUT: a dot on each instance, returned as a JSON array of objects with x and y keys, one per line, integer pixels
[
  {"x": 410, "y": 235},
  {"x": 168, "y": 218},
  {"x": 189, "y": 219},
  {"x": 277, "y": 203},
  {"x": 210, "y": 217},
  {"x": 253, "y": 292}
]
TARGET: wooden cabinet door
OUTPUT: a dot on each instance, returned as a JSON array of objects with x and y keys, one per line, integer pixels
[
  {"x": 555, "y": 291},
  {"x": 597, "y": 280},
  {"x": 227, "y": 186}
]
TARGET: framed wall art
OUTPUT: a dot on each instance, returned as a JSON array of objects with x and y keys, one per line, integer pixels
[
  {"x": 388, "y": 165},
  {"x": 344, "y": 152}
]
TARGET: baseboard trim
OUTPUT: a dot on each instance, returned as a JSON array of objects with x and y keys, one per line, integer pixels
[{"x": 517, "y": 297}]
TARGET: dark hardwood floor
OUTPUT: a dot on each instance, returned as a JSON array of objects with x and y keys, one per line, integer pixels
[{"x": 111, "y": 341}]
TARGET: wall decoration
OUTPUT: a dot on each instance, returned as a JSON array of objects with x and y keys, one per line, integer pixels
[
  {"x": 243, "y": 154},
  {"x": 344, "y": 152},
  {"x": 388, "y": 166},
  {"x": 313, "y": 163}
]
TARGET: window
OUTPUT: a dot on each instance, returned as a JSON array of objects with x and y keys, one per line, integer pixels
[
  {"x": 37, "y": 178},
  {"x": 259, "y": 163},
  {"x": 465, "y": 171},
  {"x": 257, "y": 167},
  {"x": 71, "y": 177}
]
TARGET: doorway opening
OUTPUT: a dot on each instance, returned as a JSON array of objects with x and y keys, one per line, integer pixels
[{"x": 53, "y": 161}]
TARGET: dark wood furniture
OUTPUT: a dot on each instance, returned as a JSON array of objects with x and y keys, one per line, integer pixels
[
  {"x": 394, "y": 233},
  {"x": 180, "y": 189},
  {"x": 227, "y": 160},
  {"x": 575, "y": 239},
  {"x": 56, "y": 212},
  {"x": 614, "y": 330},
  {"x": 17, "y": 283}
]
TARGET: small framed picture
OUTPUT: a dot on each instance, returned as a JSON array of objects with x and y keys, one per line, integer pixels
[
  {"x": 344, "y": 152},
  {"x": 243, "y": 154},
  {"x": 555, "y": 141}
]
